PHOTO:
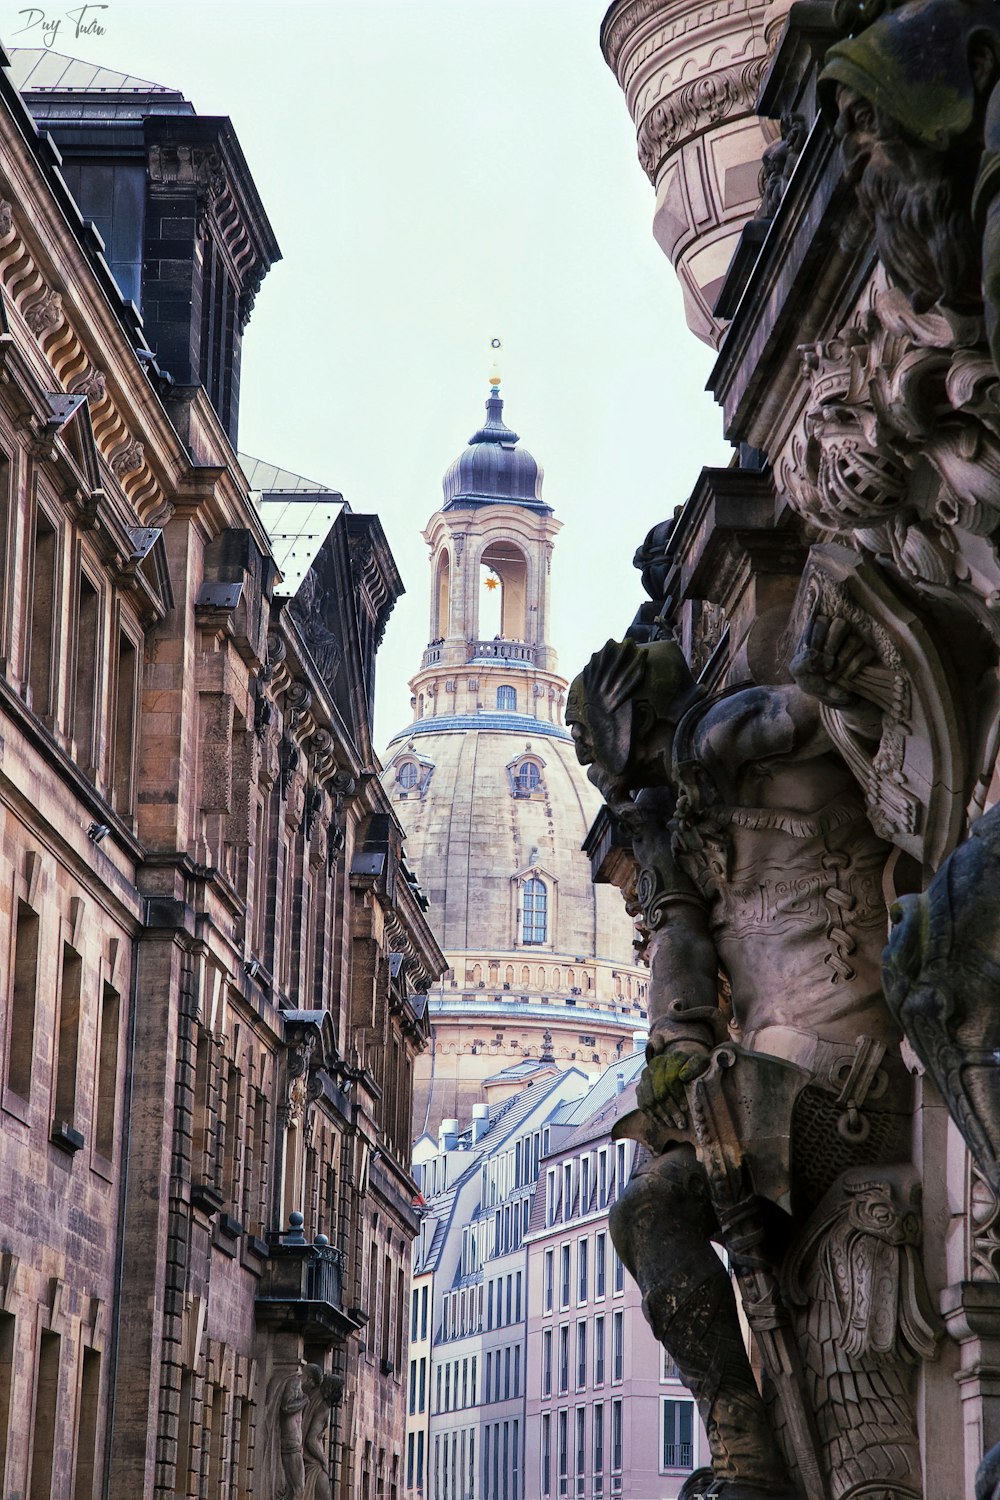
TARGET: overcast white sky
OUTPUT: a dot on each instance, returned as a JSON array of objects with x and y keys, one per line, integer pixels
[{"x": 439, "y": 173}]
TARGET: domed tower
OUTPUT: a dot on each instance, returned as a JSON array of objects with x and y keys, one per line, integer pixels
[{"x": 496, "y": 806}]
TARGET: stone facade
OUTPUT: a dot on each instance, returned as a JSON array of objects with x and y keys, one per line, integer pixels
[
  {"x": 214, "y": 955},
  {"x": 486, "y": 783},
  {"x": 815, "y": 674}
]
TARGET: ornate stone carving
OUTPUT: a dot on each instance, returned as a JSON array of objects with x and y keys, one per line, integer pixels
[
  {"x": 690, "y": 74},
  {"x": 6, "y": 219},
  {"x": 92, "y": 384},
  {"x": 46, "y": 313},
  {"x": 914, "y": 94},
  {"x": 297, "y": 1413},
  {"x": 776, "y": 879},
  {"x": 315, "y": 607},
  {"x": 128, "y": 459},
  {"x": 778, "y": 163},
  {"x": 899, "y": 452},
  {"x": 941, "y": 965}
]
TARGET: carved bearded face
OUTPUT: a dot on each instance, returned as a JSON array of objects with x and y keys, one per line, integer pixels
[{"x": 919, "y": 202}]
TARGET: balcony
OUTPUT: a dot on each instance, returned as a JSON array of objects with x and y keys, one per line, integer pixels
[
  {"x": 502, "y": 651},
  {"x": 302, "y": 1286}
]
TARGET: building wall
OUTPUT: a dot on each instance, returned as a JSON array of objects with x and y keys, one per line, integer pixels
[
  {"x": 211, "y": 954},
  {"x": 594, "y": 1367}
]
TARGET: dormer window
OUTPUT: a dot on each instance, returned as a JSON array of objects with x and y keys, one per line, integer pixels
[
  {"x": 528, "y": 778},
  {"x": 408, "y": 774}
]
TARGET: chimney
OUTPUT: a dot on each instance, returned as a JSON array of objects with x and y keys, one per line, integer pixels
[
  {"x": 639, "y": 1040},
  {"x": 448, "y": 1135},
  {"x": 480, "y": 1121},
  {"x": 619, "y": 1083}
]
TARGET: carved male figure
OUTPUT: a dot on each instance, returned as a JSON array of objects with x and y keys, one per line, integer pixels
[{"x": 755, "y": 857}]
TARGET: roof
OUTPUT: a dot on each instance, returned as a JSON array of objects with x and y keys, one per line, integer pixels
[
  {"x": 297, "y": 514},
  {"x": 519, "y": 724},
  {"x": 597, "y": 1112},
  {"x": 493, "y": 469},
  {"x": 503, "y": 1124},
  {"x": 38, "y": 70}
]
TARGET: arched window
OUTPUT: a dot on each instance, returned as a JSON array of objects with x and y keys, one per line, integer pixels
[
  {"x": 528, "y": 778},
  {"x": 408, "y": 774},
  {"x": 507, "y": 698},
  {"x": 534, "y": 911}
]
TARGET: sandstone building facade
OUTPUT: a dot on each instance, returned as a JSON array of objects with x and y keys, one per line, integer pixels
[
  {"x": 486, "y": 783},
  {"x": 213, "y": 954}
]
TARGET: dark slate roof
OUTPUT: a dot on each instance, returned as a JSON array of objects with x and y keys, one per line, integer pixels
[
  {"x": 511, "y": 1114},
  {"x": 493, "y": 469}
]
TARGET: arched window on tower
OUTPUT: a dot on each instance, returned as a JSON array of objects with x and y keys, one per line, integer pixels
[
  {"x": 507, "y": 698},
  {"x": 534, "y": 911}
]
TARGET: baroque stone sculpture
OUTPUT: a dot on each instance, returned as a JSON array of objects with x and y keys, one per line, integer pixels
[
  {"x": 295, "y": 1463},
  {"x": 776, "y": 1109}
]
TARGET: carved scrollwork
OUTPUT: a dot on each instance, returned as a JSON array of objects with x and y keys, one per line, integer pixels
[
  {"x": 702, "y": 102},
  {"x": 46, "y": 313},
  {"x": 899, "y": 451}
]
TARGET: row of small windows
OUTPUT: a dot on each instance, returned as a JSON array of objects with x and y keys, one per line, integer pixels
[
  {"x": 559, "y": 1340},
  {"x": 525, "y": 776},
  {"x": 584, "y": 1183},
  {"x": 561, "y": 1451},
  {"x": 583, "y": 1261}
]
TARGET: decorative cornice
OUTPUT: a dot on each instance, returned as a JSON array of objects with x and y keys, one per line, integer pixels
[{"x": 703, "y": 102}]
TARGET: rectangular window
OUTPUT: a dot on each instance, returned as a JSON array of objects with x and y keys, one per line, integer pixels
[
  {"x": 515, "y": 1456},
  {"x": 548, "y": 1279},
  {"x": 415, "y": 1317},
  {"x": 489, "y": 1373},
  {"x": 20, "y": 1057},
  {"x": 87, "y": 1425},
  {"x": 496, "y": 1376},
  {"x": 583, "y": 1279},
  {"x": 563, "y": 1440},
  {"x": 564, "y": 1278},
  {"x": 44, "y": 1425},
  {"x": 420, "y": 1459},
  {"x": 489, "y": 1306},
  {"x": 619, "y": 1271},
  {"x": 413, "y": 1387},
  {"x": 506, "y": 1461},
  {"x": 599, "y": 1351},
  {"x": 547, "y": 1362},
  {"x": 598, "y": 1447},
  {"x": 517, "y": 1369},
  {"x": 410, "y": 1455},
  {"x": 551, "y": 1196},
  {"x": 546, "y": 1454},
  {"x": 437, "y": 1390},
  {"x": 581, "y": 1448},
  {"x": 474, "y": 1360},
  {"x": 85, "y": 688},
  {"x": 564, "y": 1358},
  {"x": 124, "y": 725},
  {"x": 617, "y": 1454},
  {"x": 581, "y": 1355},
  {"x": 68, "y": 1036},
  {"x": 106, "y": 1099},
  {"x": 517, "y": 1297},
  {"x": 600, "y": 1264},
  {"x": 678, "y": 1434},
  {"x": 423, "y": 1312},
  {"x": 567, "y": 1194},
  {"x": 585, "y": 1183},
  {"x": 41, "y": 664},
  {"x": 602, "y": 1179},
  {"x": 618, "y": 1348},
  {"x": 7, "y": 1327},
  {"x": 422, "y": 1388},
  {"x": 465, "y": 1382}
]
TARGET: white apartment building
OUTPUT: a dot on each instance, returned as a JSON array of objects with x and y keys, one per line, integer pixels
[
  {"x": 606, "y": 1416},
  {"x": 466, "y": 1375}
]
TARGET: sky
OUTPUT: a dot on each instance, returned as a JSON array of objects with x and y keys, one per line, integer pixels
[{"x": 440, "y": 173}]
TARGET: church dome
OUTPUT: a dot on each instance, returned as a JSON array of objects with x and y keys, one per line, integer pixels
[{"x": 493, "y": 468}]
